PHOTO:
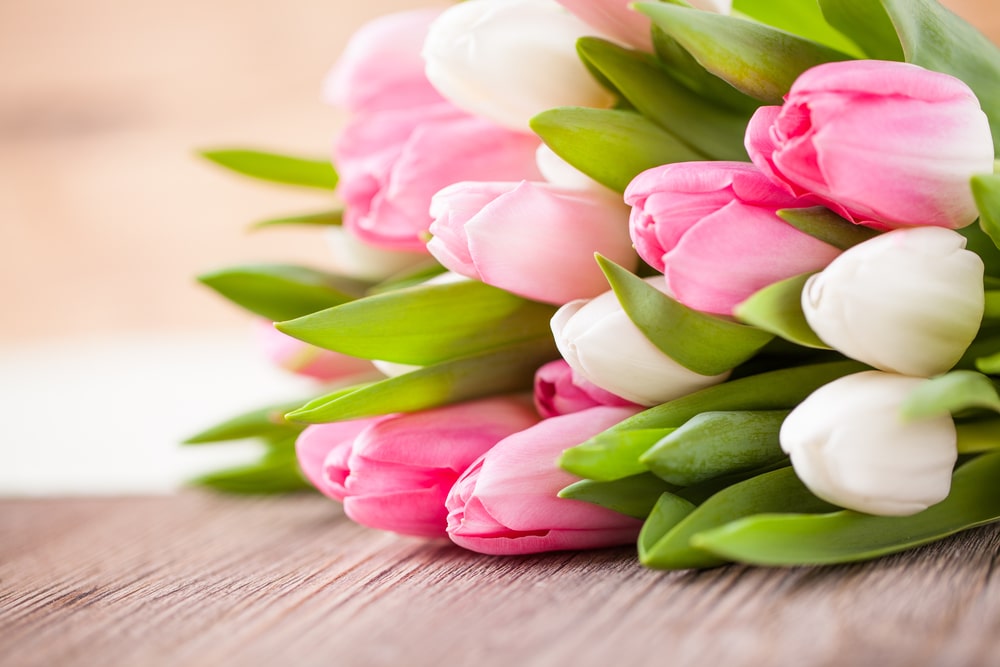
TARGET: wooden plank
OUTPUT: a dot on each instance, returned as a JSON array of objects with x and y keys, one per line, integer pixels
[{"x": 206, "y": 580}]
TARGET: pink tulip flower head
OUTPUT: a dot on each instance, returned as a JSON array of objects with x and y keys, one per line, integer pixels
[
  {"x": 308, "y": 360},
  {"x": 507, "y": 502},
  {"x": 712, "y": 229},
  {"x": 882, "y": 143},
  {"x": 559, "y": 390}
]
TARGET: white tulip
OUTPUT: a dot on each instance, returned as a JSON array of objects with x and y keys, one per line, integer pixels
[
  {"x": 354, "y": 258},
  {"x": 600, "y": 343},
  {"x": 850, "y": 447},
  {"x": 909, "y": 301},
  {"x": 508, "y": 60}
]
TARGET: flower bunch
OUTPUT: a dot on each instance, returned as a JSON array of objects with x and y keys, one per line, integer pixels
[{"x": 750, "y": 272}]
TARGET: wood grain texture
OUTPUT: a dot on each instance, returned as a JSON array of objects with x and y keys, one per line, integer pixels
[{"x": 206, "y": 580}]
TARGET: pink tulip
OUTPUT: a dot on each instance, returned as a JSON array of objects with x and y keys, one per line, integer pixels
[
  {"x": 405, "y": 142},
  {"x": 711, "y": 228},
  {"x": 617, "y": 19},
  {"x": 506, "y": 503},
  {"x": 882, "y": 143},
  {"x": 393, "y": 473},
  {"x": 533, "y": 239},
  {"x": 305, "y": 359},
  {"x": 560, "y": 391}
]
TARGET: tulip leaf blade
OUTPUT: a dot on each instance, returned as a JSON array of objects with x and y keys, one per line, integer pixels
[
  {"x": 823, "y": 224},
  {"x": 867, "y": 24},
  {"x": 632, "y": 496},
  {"x": 265, "y": 422},
  {"x": 756, "y": 59},
  {"x": 989, "y": 364},
  {"x": 779, "y": 491},
  {"x": 978, "y": 436},
  {"x": 611, "y": 146},
  {"x": 323, "y": 219},
  {"x": 667, "y": 513},
  {"x": 717, "y": 443},
  {"x": 611, "y": 456},
  {"x": 986, "y": 190},
  {"x": 847, "y": 536},
  {"x": 281, "y": 291},
  {"x": 951, "y": 393},
  {"x": 804, "y": 19},
  {"x": 507, "y": 370},
  {"x": 425, "y": 324},
  {"x": 778, "y": 308},
  {"x": 275, "y": 167},
  {"x": 934, "y": 37},
  {"x": 276, "y": 472},
  {"x": 707, "y": 128},
  {"x": 773, "y": 390},
  {"x": 702, "y": 343}
]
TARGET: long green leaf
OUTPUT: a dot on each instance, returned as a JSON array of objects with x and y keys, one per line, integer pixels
[
  {"x": 281, "y": 291},
  {"x": 324, "y": 219},
  {"x": 276, "y": 473},
  {"x": 867, "y": 24},
  {"x": 756, "y": 59},
  {"x": 847, "y": 536},
  {"x": 778, "y": 308},
  {"x": 612, "y": 455},
  {"x": 799, "y": 17},
  {"x": 633, "y": 496},
  {"x": 610, "y": 146},
  {"x": 511, "y": 369},
  {"x": 986, "y": 190},
  {"x": 954, "y": 392},
  {"x": 426, "y": 324},
  {"x": 823, "y": 224},
  {"x": 266, "y": 422},
  {"x": 707, "y": 128},
  {"x": 702, "y": 343},
  {"x": 275, "y": 167}
]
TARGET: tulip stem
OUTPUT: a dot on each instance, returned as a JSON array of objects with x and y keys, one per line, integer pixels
[{"x": 978, "y": 436}]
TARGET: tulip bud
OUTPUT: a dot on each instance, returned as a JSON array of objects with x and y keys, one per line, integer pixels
[
  {"x": 850, "y": 447},
  {"x": 886, "y": 142},
  {"x": 507, "y": 502},
  {"x": 620, "y": 22},
  {"x": 908, "y": 301},
  {"x": 305, "y": 359},
  {"x": 599, "y": 341},
  {"x": 560, "y": 391},
  {"x": 393, "y": 473},
  {"x": 712, "y": 229},
  {"x": 533, "y": 239},
  {"x": 509, "y": 60}
]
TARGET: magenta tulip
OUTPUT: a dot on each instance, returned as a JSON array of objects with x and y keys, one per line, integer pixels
[
  {"x": 405, "y": 142},
  {"x": 561, "y": 391},
  {"x": 308, "y": 360},
  {"x": 533, "y": 239},
  {"x": 711, "y": 228},
  {"x": 507, "y": 502},
  {"x": 394, "y": 473},
  {"x": 882, "y": 143}
]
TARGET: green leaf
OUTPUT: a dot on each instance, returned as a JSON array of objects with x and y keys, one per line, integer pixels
[
  {"x": 610, "y": 146},
  {"x": 276, "y": 168},
  {"x": 775, "y": 390},
  {"x": 867, "y": 24},
  {"x": 951, "y": 393},
  {"x": 711, "y": 130},
  {"x": 989, "y": 364},
  {"x": 703, "y": 343},
  {"x": 612, "y": 455},
  {"x": 823, "y": 224},
  {"x": 277, "y": 472},
  {"x": 846, "y": 536},
  {"x": 266, "y": 422},
  {"x": 978, "y": 436},
  {"x": 281, "y": 291},
  {"x": 778, "y": 308},
  {"x": 992, "y": 310},
  {"x": 778, "y": 491},
  {"x": 668, "y": 512},
  {"x": 799, "y": 17},
  {"x": 633, "y": 496},
  {"x": 508, "y": 370},
  {"x": 425, "y": 324},
  {"x": 986, "y": 190},
  {"x": 324, "y": 219},
  {"x": 758, "y": 60},
  {"x": 935, "y": 38},
  {"x": 714, "y": 444}
]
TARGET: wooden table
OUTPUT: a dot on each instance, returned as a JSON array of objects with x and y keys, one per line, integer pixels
[{"x": 199, "y": 579}]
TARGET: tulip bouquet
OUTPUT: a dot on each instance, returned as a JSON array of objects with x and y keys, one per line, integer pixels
[{"x": 744, "y": 254}]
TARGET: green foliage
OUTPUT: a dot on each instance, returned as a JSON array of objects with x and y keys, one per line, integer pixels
[
  {"x": 954, "y": 393},
  {"x": 324, "y": 219},
  {"x": 778, "y": 308},
  {"x": 274, "y": 167},
  {"x": 632, "y": 496},
  {"x": 823, "y": 224},
  {"x": 799, "y": 17},
  {"x": 867, "y": 24}
]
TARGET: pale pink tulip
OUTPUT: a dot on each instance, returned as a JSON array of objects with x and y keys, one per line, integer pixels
[
  {"x": 561, "y": 391},
  {"x": 885, "y": 143},
  {"x": 507, "y": 502},
  {"x": 533, "y": 239},
  {"x": 305, "y": 359},
  {"x": 711, "y": 228},
  {"x": 617, "y": 19},
  {"x": 393, "y": 473}
]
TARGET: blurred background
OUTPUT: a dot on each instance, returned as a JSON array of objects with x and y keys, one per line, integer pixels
[{"x": 110, "y": 353}]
